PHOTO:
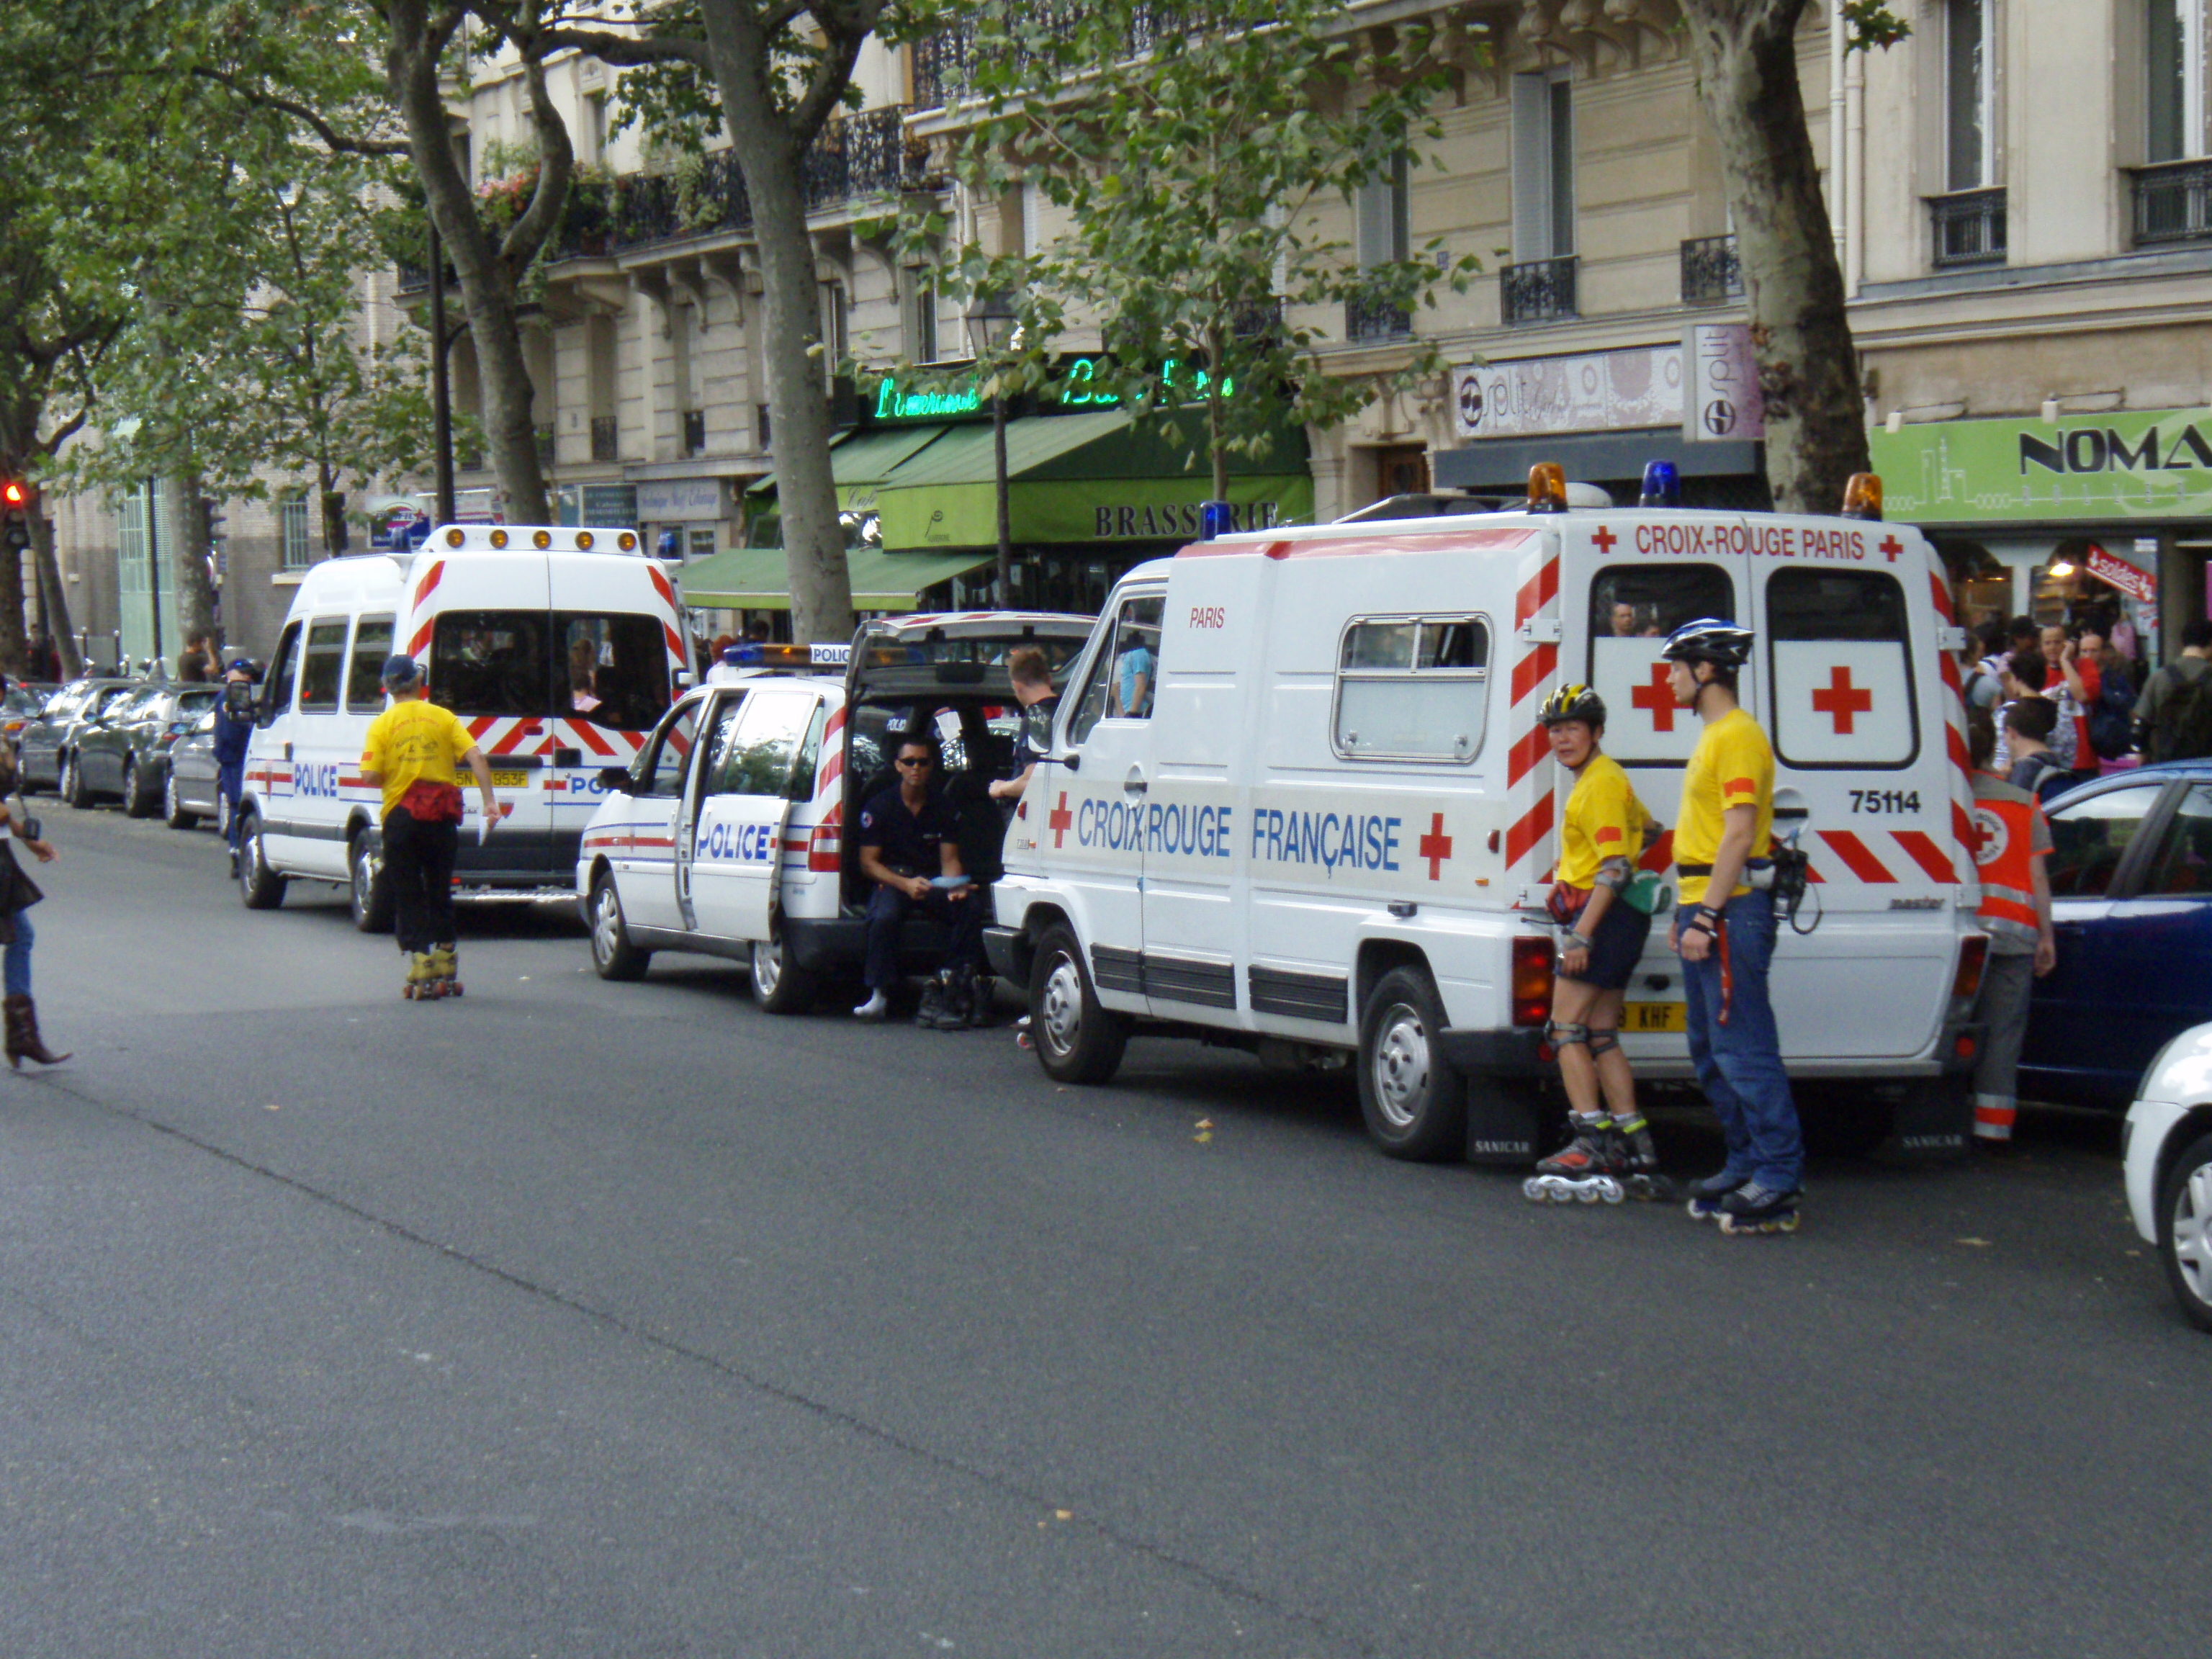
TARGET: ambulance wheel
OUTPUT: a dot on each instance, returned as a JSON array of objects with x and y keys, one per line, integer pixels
[
  {"x": 612, "y": 954},
  {"x": 1077, "y": 1040},
  {"x": 72, "y": 785},
  {"x": 368, "y": 894},
  {"x": 1415, "y": 1103},
  {"x": 261, "y": 888},
  {"x": 136, "y": 803},
  {"x": 172, "y": 806},
  {"x": 780, "y": 985}
]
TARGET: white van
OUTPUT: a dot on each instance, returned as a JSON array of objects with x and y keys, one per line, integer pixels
[
  {"x": 560, "y": 648},
  {"x": 726, "y": 837},
  {"x": 1329, "y": 829}
]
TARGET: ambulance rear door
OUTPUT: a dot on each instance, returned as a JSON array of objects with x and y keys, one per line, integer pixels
[
  {"x": 1627, "y": 581},
  {"x": 734, "y": 849},
  {"x": 1849, "y": 647}
]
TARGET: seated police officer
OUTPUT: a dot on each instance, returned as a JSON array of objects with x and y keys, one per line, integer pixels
[{"x": 910, "y": 848}]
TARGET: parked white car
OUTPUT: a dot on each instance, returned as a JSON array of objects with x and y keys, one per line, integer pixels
[{"x": 2168, "y": 1160}]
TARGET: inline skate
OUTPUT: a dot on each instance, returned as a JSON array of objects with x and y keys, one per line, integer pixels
[
  {"x": 445, "y": 968},
  {"x": 1705, "y": 1196},
  {"x": 1589, "y": 1169},
  {"x": 1752, "y": 1208}
]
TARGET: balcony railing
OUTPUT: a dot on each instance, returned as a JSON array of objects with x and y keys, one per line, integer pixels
[
  {"x": 941, "y": 67},
  {"x": 1259, "y": 318},
  {"x": 2172, "y": 203},
  {"x": 861, "y": 156},
  {"x": 603, "y": 438},
  {"x": 1970, "y": 228},
  {"x": 1711, "y": 274},
  {"x": 1537, "y": 291},
  {"x": 1372, "y": 319}
]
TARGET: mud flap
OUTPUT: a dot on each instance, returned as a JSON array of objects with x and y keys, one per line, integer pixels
[
  {"x": 1933, "y": 1122},
  {"x": 1502, "y": 1119}
]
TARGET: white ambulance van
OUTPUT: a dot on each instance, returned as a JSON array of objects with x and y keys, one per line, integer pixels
[
  {"x": 1298, "y": 800},
  {"x": 726, "y": 837},
  {"x": 560, "y": 649}
]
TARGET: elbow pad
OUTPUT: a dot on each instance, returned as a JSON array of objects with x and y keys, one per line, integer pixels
[{"x": 1614, "y": 875}]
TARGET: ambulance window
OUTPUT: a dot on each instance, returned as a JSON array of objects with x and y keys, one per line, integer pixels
[
  {"x": 1839, "y": 669},
  {"x": 612, "y": 669},
  {"x": 1125, "y": 675},
  {"x": 281, "y": 673},
  {"x": 372, "y": 644},
  {"x": 321, "y": 667},
  {"x": 1413, "y": 687},
  {"x": 1633, "y": 607},
  {"x": 661, "y": 777},
  {"x": 1650, "y": 601},
  {"x": 490, "y": 663},
  {"x": 2090, "y": 839},
  {"x": 752, "y": 753}
]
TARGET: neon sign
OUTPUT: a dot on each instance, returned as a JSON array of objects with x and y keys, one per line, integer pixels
[{"x": 1075, "y": 388}]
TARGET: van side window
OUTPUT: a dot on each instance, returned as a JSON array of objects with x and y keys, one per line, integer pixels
[
  {"x": 612, "y": 669},
  {"x": 1127, "y": 672},
  {"x": 283, "y": 669},
  {"x": 321, "y": 667},
  {"x": 1633, "y": 607},
  {"x": 364, "y": 683},
  {"x": 1840, "y": 669},
  {"x": 1412, "y": 688}
]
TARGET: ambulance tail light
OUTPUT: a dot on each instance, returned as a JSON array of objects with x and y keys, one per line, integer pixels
[
  {"x": 1973, "y": 956},
  {"x": 1532, "y": 980},
  {"x": 1863, "y": 496},
  {"x": 1662, "y": 485},
  {"x": 1547, "y": 488}
]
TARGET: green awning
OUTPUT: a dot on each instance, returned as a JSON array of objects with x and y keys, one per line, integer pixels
[
  {"x": 754, "y": 578},
  {"x": 860, "y": 459}
]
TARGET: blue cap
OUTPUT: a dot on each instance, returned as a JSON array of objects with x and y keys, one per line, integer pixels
[
  {"x": 239, "y": 665},
  {"x": 399, "y": 670},
  {"x": 1662, "y": 485}
]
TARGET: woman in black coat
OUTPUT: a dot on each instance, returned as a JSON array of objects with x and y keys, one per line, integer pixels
[{"x": 18, "y": 893}]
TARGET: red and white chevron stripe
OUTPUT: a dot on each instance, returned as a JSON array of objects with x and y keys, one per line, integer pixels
[
  {"x": 1954, "y": 726},
  {"x": 1530, "y": 772}
]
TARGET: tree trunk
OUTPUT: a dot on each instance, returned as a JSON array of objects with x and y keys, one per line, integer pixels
[
  {"x": 1744, "y": 52},
  {"x": 488, "y": 276},
  {"x": 58, "y": 626},
  {"x": 770, "y": 156},
  {"x": 188, "y": 561}
]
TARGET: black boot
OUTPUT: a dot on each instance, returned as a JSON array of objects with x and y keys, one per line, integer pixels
[{"x": 23, "y": 1040}]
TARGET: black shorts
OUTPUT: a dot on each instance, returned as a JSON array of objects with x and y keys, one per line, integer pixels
[{"x": 1616, "y": 950}]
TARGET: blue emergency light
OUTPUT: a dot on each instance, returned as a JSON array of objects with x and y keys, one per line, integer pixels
[
  {"x": 1214, "y": 520},
  {"x": 746, "y": 655},
  {"x": 1662, "y": 486}
]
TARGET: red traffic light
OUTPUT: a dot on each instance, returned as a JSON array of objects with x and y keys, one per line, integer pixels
[{"x": 13, "y": 493}]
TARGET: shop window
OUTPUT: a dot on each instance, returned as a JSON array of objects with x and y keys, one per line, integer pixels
[
  {"x": 1413, "y": 687},
  {"x": 1125, "y": 675},
  {"x": 1543, "y": 166},
  {"x": 2090, "y": 839},
  {"x": 1840, "y": 667},
  {"x": 1633, "y": 607},
  {"x": 322, "y": 667}
]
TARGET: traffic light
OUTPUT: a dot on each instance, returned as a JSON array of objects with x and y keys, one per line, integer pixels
[
  {"x": 15, "y": 515},
  {"x": 212, "y": 519}
]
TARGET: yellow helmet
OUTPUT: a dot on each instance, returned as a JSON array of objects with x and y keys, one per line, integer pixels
[{"x": 1572, "y": 703}]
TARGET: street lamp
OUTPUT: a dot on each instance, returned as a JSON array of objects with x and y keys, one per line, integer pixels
[{"x": 990, "y": 321}]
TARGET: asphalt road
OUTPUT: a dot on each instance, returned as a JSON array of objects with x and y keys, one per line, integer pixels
[{"x": 581, "y": 1319}]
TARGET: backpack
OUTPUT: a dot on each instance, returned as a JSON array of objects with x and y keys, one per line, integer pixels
[
  {"x": 2112, "y": 718},
  {"x": 2183, "y": 730}
]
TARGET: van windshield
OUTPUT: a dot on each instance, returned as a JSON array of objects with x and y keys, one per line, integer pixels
[{"x": 608, "y": 668}]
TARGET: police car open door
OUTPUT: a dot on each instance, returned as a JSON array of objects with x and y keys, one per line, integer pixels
[{"x": 734, "y": 848}]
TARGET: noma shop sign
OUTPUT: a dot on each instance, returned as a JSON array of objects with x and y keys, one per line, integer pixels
[{"x": 2155, "y": 464}]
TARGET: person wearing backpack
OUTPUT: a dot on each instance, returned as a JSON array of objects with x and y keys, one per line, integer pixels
[
  {"x": 2036, "y": 767},
  {"x": 2173, "y": 716},
  {"x": 2111, "y": 710}
]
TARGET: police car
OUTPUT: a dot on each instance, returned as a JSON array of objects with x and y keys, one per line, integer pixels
[
  {"x": 726, "y": 835},
  {"x": 1298, "y": 798}
]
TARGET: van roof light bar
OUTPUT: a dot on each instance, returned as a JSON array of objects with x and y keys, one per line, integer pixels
[
  {"x": 1662, "y": 485},
  {"x": 1547, "y": 488},
  {"x": 1863, "y": 496}
]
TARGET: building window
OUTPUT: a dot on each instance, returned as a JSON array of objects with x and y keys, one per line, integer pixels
[
  {"x": 921, "y": 324},
  {"x": 2173, "y": 45},
  {"x": 831, "y": 297},
  {"x": 292, "y": 529},
  {"x": 1385, "y": 216},
  {"x": 595, "y": 128},
  {"x": 1543, "y": 166},
  {"x": 1969, "y": 96}
]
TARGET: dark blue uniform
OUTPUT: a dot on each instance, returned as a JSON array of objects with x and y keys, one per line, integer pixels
[
  {"x": 911, "y": 844},
  {"x": 232, "y": 734}
]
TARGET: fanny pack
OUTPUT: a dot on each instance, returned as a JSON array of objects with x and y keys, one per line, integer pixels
[
  {"x": 433, "y": 803},
  {"x": 1650, "y": 895}
]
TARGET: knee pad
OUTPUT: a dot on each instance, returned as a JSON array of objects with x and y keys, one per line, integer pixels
[
  {"x": 1562, "y": 1036},
  {"x": 1604, "y": 1042}
]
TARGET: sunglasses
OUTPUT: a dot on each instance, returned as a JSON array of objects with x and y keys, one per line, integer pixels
[{"x": 914, "y": 760}]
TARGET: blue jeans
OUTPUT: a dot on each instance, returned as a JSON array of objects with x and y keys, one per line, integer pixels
[
  {"x": 15, "y": 962},
  {"x": 1739, "y": 1063}
]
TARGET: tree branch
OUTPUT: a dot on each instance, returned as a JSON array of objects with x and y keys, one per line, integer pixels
[{"x": 339, "y": 143}]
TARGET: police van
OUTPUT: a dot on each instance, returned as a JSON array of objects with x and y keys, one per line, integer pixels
[
  {"x": 559, "y": 648},
  {"x": 1298, "y": 800},
  {"x": 726, "y": 837}
]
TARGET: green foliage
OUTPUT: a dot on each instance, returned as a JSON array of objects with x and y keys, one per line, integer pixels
[
  {"x": 1872, "y": 24},
  {"x": 1204, "y": 165}
]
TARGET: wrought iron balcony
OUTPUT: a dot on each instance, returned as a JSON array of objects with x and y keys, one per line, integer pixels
[
  {"x": 860, "y": 155},
  {"x": 1372, "y": 319},
  {"x": 941, "y": 67},
  {"x": 1261, "y": 316},
  {"x": 2172, "y": 203},
  {"x": 603, "y": 438},
  {"x": 1537, "y": 291},
  {"x": 1711, "y": 274},
  {"x": 1969, "y": 227}
]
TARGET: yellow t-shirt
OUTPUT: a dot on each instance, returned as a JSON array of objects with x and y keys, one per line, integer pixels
[
  {"x": 1604, "y": 820},
  {"x": 411, "y": 743},
  {"x": 1733, "y": 765}
]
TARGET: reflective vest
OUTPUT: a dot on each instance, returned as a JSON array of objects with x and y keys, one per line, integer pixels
[{"x": 2005, "y": 865}]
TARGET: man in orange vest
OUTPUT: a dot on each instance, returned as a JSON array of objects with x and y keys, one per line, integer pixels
[{"x": 2012, "y": 842}]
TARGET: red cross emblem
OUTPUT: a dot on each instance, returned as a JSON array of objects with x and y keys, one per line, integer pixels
[
  {"x": 1842, "y": 700},
  {"x": 1658, "y": 697},
  {"x": 1605, "y": 538},
  {"x": 1892, "y": 546},
  {"x": 1436, "y": 847},
  {"x": 1059, "y": 819}
]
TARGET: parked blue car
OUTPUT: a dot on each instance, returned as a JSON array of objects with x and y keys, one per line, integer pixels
[{"x": 2131, "y": 903}]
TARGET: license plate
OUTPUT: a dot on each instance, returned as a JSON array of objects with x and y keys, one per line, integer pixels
[
  {"x": 510, "y": 779},
  {"x": 1654, "y": 1017}
]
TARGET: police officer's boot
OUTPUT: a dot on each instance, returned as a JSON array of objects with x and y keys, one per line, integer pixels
[{"x": 982, "y": 1010}]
